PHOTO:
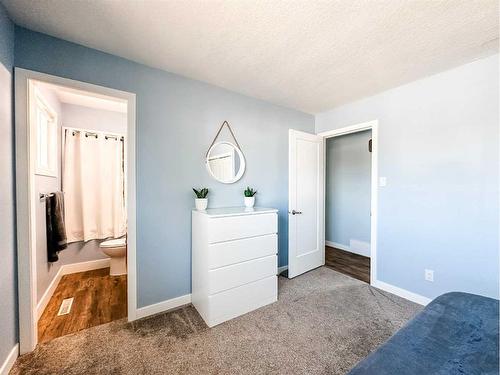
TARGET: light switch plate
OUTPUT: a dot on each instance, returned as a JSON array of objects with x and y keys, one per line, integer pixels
[{"x": 383, "y": 181}]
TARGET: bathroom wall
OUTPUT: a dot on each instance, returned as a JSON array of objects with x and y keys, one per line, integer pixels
[
  {"x": 348, "y": 192},
  {"x": 78, "y": 117},
  {"x": 45, "y": 271},
  {"x": 177, "y": 119},
  {"x": 8, "y": 262},
  {"x": 439, "y": 150}
]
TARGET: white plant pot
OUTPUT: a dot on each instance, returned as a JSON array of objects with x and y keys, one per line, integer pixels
[
  {"x": 249, "y": 201},
  {"x": 201, "y": 203}
]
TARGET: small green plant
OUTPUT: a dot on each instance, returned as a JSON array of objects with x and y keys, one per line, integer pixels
[
  {"x": 249, "y": 192},
  {"x": 201, "y": 194}
]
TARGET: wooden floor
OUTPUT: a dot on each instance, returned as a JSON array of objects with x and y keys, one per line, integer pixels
[
  {"x": 98, "y": 298},
  {"x": 354, "y": 265}
]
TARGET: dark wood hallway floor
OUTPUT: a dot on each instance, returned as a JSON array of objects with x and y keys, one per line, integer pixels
[{"x": 350, "y": 264}]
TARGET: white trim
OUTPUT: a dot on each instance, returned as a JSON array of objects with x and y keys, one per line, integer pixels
[
  {"x": 25, "y": 199},
  {"x": 349, "y": 249},
  {"x": 338, "y": 246},
  {"x": 373, "y": 126},
  {"x": 282, "y": 268},
  {"x": 163, "y": 306},
  {"x": 85, "y": 266},
  {"x": 41, "y": 102},
  {"x": 26, "y": 260},
  {"x": 67, "y": 269},
  {"x": 349, "y": 129},
  {"x": 130, "y": 195},
  {"x": 403, "y": 293},
  {"x": 10, "y": 360},
  {"x": 44, "y": 301}
]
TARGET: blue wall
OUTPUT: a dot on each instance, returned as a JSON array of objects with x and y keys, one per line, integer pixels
[
  {"x": 439, "y": 149},
  {"x": 8, "y": 276},
  {"x": 348, "y": 188},
  {"x": 177, "y": 119}
]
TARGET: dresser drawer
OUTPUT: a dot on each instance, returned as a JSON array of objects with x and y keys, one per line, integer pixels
[
  {"x": 237, "y": 301},
  {"x": 237, "y": 227},
  {"x": 242, "y": 273},
  {"x": 225, "y": 253}
]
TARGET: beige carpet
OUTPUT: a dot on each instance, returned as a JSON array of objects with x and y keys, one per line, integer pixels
[{"x": 323, "y": 323}]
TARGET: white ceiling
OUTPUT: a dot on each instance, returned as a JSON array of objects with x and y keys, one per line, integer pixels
[
  {"x": 310, "y": 55},
  {"x": 85, "y": 98}
]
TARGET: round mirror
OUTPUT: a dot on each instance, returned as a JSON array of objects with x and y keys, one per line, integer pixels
[{"x": 225, "y": 162}]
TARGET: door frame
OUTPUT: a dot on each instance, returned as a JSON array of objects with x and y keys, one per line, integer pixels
[
  {"x": 25, "y": 200},
  {"x": 373, "y": 126}
]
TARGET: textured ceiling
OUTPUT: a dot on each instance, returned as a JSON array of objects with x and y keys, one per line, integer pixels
[{"x": 308, "y": 55}]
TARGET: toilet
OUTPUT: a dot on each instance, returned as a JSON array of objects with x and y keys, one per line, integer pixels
[{"x": 116, "y": 249}]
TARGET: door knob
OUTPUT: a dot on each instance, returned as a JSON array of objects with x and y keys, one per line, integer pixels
[{"x": 296, "y": 212}]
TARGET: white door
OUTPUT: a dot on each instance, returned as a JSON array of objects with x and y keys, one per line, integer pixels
[{"x": 306, "y": 249}]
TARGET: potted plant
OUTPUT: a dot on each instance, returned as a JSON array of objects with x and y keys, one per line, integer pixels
[
  {"x": 201, "y": 200},
  {"x": 249, "y": 197}
]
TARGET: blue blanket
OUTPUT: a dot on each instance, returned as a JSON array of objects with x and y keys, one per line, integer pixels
[{"x": 457, "y": 333}]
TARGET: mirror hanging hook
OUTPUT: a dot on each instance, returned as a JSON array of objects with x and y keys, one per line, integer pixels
[{"x": 218, "y": 132}]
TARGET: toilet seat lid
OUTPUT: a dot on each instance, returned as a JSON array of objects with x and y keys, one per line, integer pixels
[{"x": 115, "y": 242}]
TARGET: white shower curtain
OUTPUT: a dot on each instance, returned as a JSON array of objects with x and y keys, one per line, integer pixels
[{"x": 93, "y": 185}]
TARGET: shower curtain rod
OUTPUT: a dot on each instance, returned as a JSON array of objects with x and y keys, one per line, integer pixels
[{"x": 92, "y": 134}]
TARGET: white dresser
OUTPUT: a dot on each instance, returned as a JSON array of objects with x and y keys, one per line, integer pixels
[{"x": 234, "y": 264}]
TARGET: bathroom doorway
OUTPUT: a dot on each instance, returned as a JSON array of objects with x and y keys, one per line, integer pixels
[
  {"x": 76, "y": 210},
  {"x": 351, "y": 201}
]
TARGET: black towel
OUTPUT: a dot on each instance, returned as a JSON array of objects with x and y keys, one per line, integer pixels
[{"x": 56, "y": 231}]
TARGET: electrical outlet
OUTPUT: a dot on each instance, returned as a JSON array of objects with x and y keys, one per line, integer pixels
[{"x": 429, "y": 275}]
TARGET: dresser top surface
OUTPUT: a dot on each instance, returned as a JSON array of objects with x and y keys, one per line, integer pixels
[{"x": 236, "y": 211}]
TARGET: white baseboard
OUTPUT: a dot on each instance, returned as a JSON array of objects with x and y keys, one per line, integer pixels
[
  {"x": 282, "y": 268},
  {"x": 406, "y": 294},
  {"x": 67, "y": 269},
  {"x": 337, "y": 245},
  {"x": 360, "y": 247},
  {"x": 360, "y": 251},
  {"x": 44, "y": 301},
  {"x": 85, "y": 266},
  {"x": 163, "y": 306},
  {"x": 10, "y": 360}
]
